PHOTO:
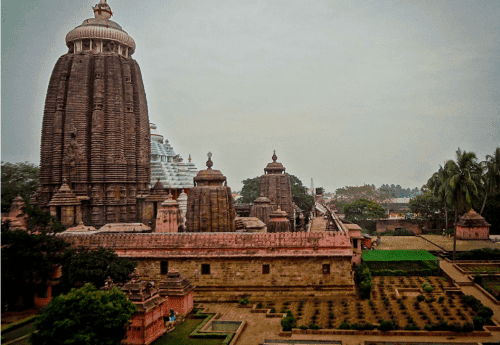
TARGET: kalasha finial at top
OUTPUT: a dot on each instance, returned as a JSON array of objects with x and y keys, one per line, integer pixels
[
  {"x": 209, "y": 162},
  {"x": 189, "y": 159},
  {"x": 102, "y": 10},
  {"x": 275, "y": 158}
]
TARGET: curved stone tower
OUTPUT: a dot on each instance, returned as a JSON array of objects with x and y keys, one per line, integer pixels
[
  {"x": 279, "y": 222},
  {"x": 262, "y": 209},
  {"x": 275, "y": 185},
  {"x": 95, "y": 130},
  {"x": 210, "y": 206}
]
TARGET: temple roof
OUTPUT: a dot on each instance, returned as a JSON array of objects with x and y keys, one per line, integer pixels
[
  {"x": 274, "y": 167},
  {"x": 174, "y": 285},
  {"x": 209, "y": 177},
  {"x": 472, "y": 219},
  {"x": 64, "y": 197},
  {"x": 222, "y": 245},
  {"x": 167, "y": 166},
  {"x": 101, "y": 27}
]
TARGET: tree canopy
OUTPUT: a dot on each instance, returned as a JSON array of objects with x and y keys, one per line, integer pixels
[
  {"x": 94, "y": 266},
  {"x": 27, "y": 264},
  {"x": 250, "y": 190},
  {"x": 427, "y": 208},
  {"x": 363, "y": 209},
  {"x": 84, "y": 316},
  {"x": 18, "y": 178}
]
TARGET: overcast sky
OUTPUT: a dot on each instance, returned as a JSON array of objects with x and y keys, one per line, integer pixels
[{"x": 346, "y": 92}]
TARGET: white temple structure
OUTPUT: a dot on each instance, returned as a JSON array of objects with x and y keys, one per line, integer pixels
[{"x": 167, "y": 166}]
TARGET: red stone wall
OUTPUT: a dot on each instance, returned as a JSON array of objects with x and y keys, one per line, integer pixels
[
  {"x": 473, "y": 233},
  {"x": 146, "y": 327},
  {"x": 384, "y": 225},
  {"x": 181, "y": 305}
]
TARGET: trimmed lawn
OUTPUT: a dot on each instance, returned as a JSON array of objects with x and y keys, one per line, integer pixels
[
  {"x": 19, "y": 332},
  {"x": 179, "y": 336}
]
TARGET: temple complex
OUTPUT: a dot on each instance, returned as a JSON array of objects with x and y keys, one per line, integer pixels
[
  {"x": 210, "y": 206},
  {"x": 168, "y": 167},
  {"x": 95, "y": 131},
  {"x": 275, "y": 185}
]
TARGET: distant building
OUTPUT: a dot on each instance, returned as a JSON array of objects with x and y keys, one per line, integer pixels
[
  {"x": 472, "y": 226},
  {"x": 169, "y": 167}
]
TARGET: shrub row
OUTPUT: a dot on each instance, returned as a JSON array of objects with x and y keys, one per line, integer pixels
[
  {"x": 419, "y": 273},
  {"x": 357, "y": 326},
  {"x": 480, "y": 254},
  {"x": 209, "y": 335}
]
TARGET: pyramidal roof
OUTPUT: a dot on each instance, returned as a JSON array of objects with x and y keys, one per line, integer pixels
[{"x": 167, "y": 166}]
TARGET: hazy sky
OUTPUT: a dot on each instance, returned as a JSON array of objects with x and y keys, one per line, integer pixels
[{"x": 346, "y": 92}]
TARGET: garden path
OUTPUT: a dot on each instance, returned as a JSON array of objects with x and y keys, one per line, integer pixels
[{"x": 458, "y": 277}]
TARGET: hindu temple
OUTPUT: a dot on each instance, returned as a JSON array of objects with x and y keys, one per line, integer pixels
[
  {"x": 169, "y": 167},
  {"x": 95, "y": 131},
  {"x": 210, "y": 205},
  {"x": 275, "y": 185}
]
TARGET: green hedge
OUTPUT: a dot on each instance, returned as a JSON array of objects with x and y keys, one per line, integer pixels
[
  {"x": 209, "y": 335},
  {"x": 420, "y": 273}
]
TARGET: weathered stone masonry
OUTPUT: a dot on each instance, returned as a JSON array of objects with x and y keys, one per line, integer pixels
[{"x": 224, "y": 266}]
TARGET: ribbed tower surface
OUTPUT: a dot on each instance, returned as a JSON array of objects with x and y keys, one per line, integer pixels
[
  {"x": 210, "y": 206},
  {"x": 95, "y": 130},
  {"x": 275, "y": 185}
]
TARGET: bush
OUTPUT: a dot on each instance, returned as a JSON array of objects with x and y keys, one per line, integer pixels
[
  {"x": 259, "y": 306},
  {"x": 478, "y": 279},
  {"x": 273, "y": 310},
  {"x": 471, "y": 301},
  {"x": 288, "y": 322},
  {"x": 386, "y": 326},
  {"x": 478, "y": 323},
  {"x": 440, "y": 299},
  {"x": 420, "y": 298},
  {"x": 244, "y": 301},
  {"x": 412, "y": 327},
  {"x": 303, "y": 327},
  {"x": 314, "y": 326},
  {"x": 427, "y": 287},
  {"x": 484, "y": 312}
]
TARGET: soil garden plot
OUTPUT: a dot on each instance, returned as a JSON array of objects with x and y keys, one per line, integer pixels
[
  {"x": 480, "y": 268},
  {"x": 384, "y": 304},
  {"x": 492, "y": 285}
]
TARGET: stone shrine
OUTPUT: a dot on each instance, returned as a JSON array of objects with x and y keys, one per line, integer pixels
[
  {"x": 275, "y": 185},
  {"x": 146, "y": 324},
  {"x": 179, "y": 292},
  {"x": 95, "y": 130},
  {"x": 210, "y": 206},
  {"x": 278, "y": 222},
  {"x": 472, "y": 226},
  {"x": 168, "y": 215},
  {"x": 262, "y": 209}
]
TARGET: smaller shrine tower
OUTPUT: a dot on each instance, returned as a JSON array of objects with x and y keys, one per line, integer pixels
[
  {"x": 210, "y": 206},
  {"x": 275, "y": 185},
  {"x": 168, "y": 214}
]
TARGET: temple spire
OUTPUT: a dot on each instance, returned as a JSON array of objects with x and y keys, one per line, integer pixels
[
  {"x": 275, "y": 158},
  {"x": 209, "y": 162}
]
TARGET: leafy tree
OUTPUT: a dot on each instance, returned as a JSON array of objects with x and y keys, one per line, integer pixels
[
  {"x": 84, "y": 316},
  {"x": 320, "y": 190},
  {"x": 42, "y": 221},
  {"x": 27, "y": 263},
  {"x": 288, "y": 322},
  {"x": 492, "y": 213},
  {"x": 18, "y": 178},
  {"x": 300, "y": 197},
  {"x": 438, "y": 184},
  {"x": 94, "y": 266},
  {"x": 464, "y": 185},
  {"x": 250, "y": 190},
  {"x": 492, "y": 175},
  {"x": 363, "y": 209},
  {"x": 427, "y": 207}
]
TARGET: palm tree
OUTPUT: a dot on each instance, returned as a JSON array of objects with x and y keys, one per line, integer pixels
[
  {"x": 492, "y": 175},
  {"x": 438, "y": 185},
  {"x": 464, "y": 182}
]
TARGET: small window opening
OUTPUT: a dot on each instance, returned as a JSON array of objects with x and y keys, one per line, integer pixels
[
  {"x": 326, "y": 268},
  {"x": 265, "y": 269},
  {"x": 205, "y": 269},
  {"x": 164, "y": 267}
]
